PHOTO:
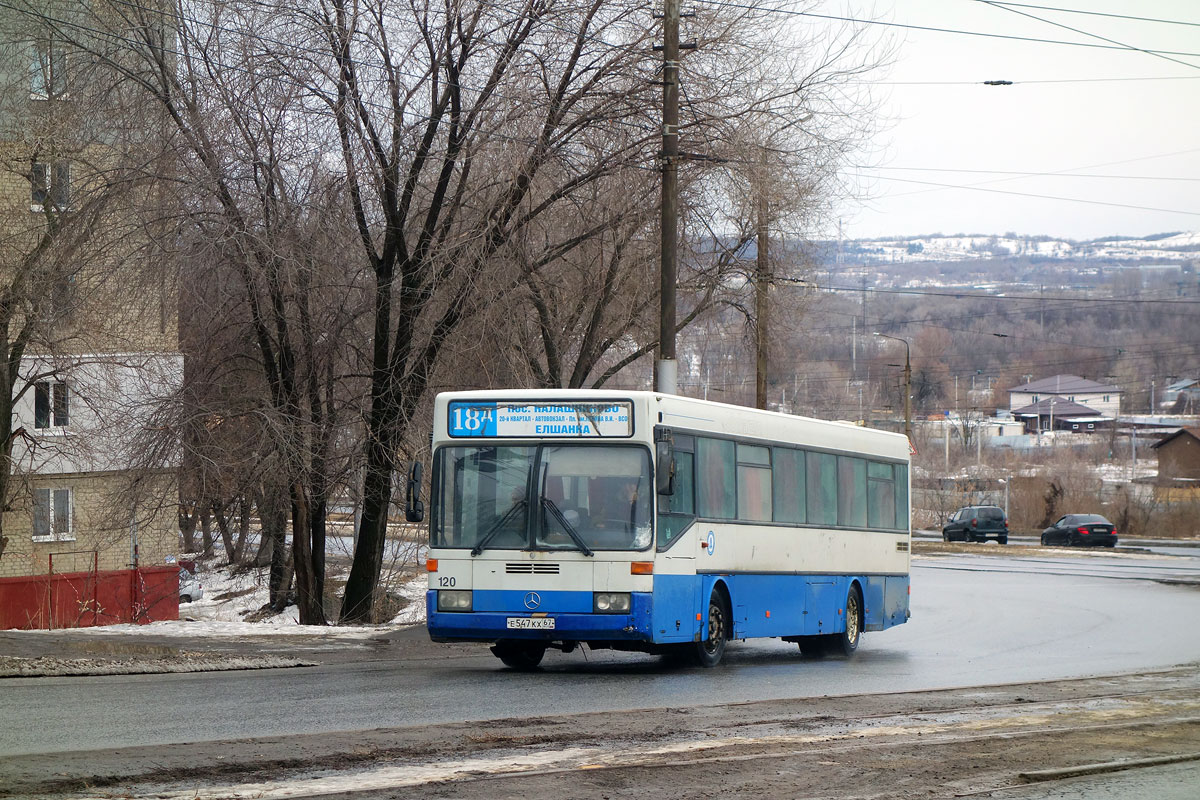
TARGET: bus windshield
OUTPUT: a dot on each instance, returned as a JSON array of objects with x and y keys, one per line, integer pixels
[{"x": 553, "y": 497}]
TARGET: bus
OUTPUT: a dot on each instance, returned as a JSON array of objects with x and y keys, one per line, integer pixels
[{"x": 650, "y": 522}]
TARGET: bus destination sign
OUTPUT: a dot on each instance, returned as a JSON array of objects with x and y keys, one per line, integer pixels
[{"x": 540, "y": 420}]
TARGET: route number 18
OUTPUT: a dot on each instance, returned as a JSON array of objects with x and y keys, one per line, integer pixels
[{"x": 472, "y": 419}]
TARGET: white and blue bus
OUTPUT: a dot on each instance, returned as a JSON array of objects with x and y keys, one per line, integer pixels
[{"x": 657, "y": 523}]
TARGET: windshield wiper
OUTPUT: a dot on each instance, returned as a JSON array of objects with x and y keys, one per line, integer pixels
[
  {"x": 556, "y": 512},
  {"x": 498, "y": 526}
]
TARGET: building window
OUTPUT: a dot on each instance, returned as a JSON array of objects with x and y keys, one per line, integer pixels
[
  {"x": 1035, "y": 398},
  {"x": 48, "y": 70},
  {"x": 51, "y": 405},
  {"x": 50, "y": 184},
  {"x": 52, "y": 515},
  {"x": 1106, "y": 398}
]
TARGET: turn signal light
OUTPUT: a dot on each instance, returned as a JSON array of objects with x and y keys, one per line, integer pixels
[
  {"x": 431, "y": 565},
  {"x": 641, "y": 568}
]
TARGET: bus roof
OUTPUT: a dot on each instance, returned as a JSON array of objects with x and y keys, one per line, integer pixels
[{"x": 700, "y": 416}]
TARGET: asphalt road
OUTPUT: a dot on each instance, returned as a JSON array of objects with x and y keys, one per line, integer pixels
[{"x": 975, "y": 622}]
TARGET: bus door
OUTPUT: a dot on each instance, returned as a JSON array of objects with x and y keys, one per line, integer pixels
[{"x": 677, "y": 587}]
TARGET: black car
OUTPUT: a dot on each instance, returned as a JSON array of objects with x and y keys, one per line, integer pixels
[
  {"x": 1081, "y": 530},
  {"x": 977, "y": 524}
]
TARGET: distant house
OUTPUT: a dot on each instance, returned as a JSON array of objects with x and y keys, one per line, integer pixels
[
  {"x": 1103, "y": 398},
  {"x": 1056, "y": 413},
  {"x": 1187, "y": 390},
  {"x": 1179, "y": 456}
]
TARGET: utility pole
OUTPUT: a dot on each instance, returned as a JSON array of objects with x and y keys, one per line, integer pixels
[
  {"x": 864, "y": 303},
  {"x": 907, "y": 393},
  {"x": 907, "y": 383},
  {"x": 667, "y": 367},
  {"x": 762, "y": 282},
  {"x": 854, "y": 347}
]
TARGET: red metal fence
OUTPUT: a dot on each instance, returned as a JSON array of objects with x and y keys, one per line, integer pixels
[{"x": 85, "y": 599}]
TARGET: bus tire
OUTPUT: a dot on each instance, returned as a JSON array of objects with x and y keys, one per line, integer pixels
[
  {"x": 522, "y": 656},
  {"x": 708, "y": 652},
  {"x": 847, "y": 641}
]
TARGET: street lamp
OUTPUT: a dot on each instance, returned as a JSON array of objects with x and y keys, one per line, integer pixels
[{"x": 907, "y": 383}]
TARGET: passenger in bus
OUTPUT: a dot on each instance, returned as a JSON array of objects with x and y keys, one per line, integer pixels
[{"x": 620, "y": 516}]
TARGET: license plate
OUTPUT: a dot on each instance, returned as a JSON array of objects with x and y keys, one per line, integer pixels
[{"x": 531, "y": 623}]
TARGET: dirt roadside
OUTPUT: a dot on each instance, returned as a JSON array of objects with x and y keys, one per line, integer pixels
[{"x": 931, "y": 744}]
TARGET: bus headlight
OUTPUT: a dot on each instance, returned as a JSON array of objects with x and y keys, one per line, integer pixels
[
  {"x": 610, "y": 602},
  {"x": 454, "y": 600}
]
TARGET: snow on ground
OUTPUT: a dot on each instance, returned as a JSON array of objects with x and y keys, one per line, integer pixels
[{"x": 231, "y": 596}]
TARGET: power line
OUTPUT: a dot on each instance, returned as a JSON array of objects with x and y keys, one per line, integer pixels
[
  {"x": 931, "y": 29},
  {"x": 1006, "y": 297},
  {"x": 1154, "y": 53},
  {"x": 1031, "y": 174},
  {"x": 1047, "y": 80},
  {"x": 1041, "y": 196},
  {"x": 1097, "y": 13}
]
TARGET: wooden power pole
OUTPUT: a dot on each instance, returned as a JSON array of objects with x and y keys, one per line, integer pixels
[
  {"x": 666, "y": 368},
  {"x": 762, "y": 282}
]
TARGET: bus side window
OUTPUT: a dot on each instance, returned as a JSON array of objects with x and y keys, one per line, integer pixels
[
  {"x": 852, "y": 492},
  {"x": 789, "y": 490},
  {"x": 822, "y": 493},
  {"x": 754, "y": 483},
  {"x": 716, "y": 479},
  {"x": 881, "y": 495},
  {"x": 683, "y": 500}
]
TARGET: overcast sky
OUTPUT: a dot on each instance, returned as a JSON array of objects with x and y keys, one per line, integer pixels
[{"x": 944, "y": 123}]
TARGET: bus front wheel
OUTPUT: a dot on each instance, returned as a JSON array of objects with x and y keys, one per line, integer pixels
[
  {"x": 519, "y": 655},
  {"x": 709, "y": 652}
]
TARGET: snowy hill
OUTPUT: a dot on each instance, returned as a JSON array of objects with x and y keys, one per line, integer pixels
[{"x": 1173, "y": 247}]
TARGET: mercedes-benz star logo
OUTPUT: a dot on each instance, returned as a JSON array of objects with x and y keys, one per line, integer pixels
[{"x": 532, "y": 600}]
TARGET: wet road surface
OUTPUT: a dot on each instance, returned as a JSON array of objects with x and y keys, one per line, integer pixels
[{"x": 976, "y": 621}]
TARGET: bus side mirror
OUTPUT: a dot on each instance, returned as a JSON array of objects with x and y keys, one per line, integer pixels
[
  {"x": 414, "y": 509},
  {"x": 664, "y": 475}
]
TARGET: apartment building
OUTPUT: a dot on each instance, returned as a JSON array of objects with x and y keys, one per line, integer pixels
[{"x": 89, "y": 348}]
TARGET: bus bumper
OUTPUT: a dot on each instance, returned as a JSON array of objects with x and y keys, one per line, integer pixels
[{"x": 569, "y": 625}]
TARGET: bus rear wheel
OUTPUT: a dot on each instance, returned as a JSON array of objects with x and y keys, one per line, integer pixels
[
  {"x": 847, "y": 641},
  {"x": 708, "y": 653},
  {"x": 519, "y": 655}
]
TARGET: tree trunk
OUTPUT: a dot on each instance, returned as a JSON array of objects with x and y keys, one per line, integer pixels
[
  {"x": 226, "y": 533},
  {"x": 239, "y": 549},
  {"x": 187, "y": 528},
  {"x": 274, "y": 522},
  {"x": 206, "y": 530},
  {"x": 358, "y": 601},
  {"x": 308, "y": 597}
]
